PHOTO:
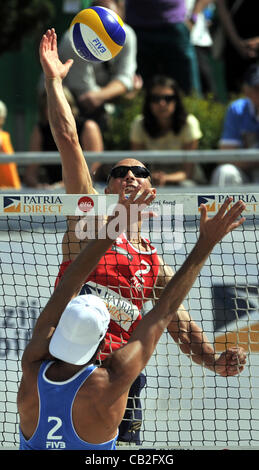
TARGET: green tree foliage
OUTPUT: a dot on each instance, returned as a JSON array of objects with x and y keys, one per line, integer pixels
[
  {"x": 21, "y": 19},
  {"x": 210, "y": 114}
]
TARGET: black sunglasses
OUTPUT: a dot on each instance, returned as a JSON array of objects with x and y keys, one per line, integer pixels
[
  {"x": 121, "y": 171},
  {"x": 166, "y": 98}
]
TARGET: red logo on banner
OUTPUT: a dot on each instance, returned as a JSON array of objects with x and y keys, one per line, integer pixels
[{"x": 85, "y": 204}]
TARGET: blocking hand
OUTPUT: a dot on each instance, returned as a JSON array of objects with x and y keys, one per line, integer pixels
[{"x": 212, "y": 230}]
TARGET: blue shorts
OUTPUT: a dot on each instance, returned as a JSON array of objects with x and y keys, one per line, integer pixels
[{"x": 129, "y": 429}]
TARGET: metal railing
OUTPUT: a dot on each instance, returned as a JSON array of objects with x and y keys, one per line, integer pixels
[{"x": 150, "y": 156}]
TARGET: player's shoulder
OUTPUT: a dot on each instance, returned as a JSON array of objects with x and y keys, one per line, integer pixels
[
  {"x": 98, "y": 383},
  {"x": 30, "y": 372}
]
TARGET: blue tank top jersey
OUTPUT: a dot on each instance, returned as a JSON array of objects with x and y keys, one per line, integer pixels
[{"x": 55, "y": 430}]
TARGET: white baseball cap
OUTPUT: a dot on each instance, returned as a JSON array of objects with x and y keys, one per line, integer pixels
[{"x": 80, "y": 330}]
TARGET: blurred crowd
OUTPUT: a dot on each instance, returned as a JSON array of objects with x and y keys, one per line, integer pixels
[{"x": 170, "y": 51}]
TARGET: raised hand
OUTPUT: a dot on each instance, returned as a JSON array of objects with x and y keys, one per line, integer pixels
[
  {"x": 141, "y": 200},
  {"x": 49, "y": 59},
  {"x": 127, "y": 212},
  {"x": 213, "y": 229},
  {"x": 136, "y": 204}
]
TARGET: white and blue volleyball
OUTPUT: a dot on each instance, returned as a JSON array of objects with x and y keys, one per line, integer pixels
[{"x": 97, "y": 34}]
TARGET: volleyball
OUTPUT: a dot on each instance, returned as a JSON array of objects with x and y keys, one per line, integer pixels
[{"x": 97, "y": 34}]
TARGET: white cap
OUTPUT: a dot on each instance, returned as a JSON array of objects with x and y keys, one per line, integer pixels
[
  {"x": 228, "y": 174},
  {"x": 81, "y": 328}
]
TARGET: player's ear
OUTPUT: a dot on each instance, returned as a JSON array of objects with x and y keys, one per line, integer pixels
[{"x": 102, "y": 345}]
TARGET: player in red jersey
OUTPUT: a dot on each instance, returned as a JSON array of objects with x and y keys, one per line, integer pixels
[
  {"x": 130, "y": 272},
  {"x": 124, "y": 278}
]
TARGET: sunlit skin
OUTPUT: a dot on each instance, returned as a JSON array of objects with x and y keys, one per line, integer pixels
[
  {"x": 130, "y": 182},
  {"x": 114, "y": 184}
]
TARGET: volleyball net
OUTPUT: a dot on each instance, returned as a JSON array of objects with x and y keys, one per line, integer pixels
[{"x": 183, "y": 404}]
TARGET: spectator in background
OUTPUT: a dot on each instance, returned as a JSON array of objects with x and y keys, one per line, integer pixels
[
  {"x": 164, "y": 45},
  {"x": 42, "y": 141},
  {"x": 97, "y": 85},
  {"x": 9, "y": 176},
  {"x": 241, "y": 130},
  {"x": 202, "y": 42},
  {"x": 240, "y": 23},
  {"x": 165, "y": 125}
]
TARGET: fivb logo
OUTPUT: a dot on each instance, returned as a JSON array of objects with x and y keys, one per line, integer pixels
[
  {"x": 99, "y": 45},
  {"x": 54, "y": 440}
]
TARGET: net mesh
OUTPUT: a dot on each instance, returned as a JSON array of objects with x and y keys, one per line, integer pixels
[{"x": 182, "y": 403}]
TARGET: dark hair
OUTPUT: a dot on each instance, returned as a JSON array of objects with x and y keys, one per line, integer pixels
[{"x": 178, "y": 117}]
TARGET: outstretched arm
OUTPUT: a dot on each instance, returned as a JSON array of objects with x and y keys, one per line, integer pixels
[
  {"x": 76, "y": 175},
  {"x": 190, "y": 337},
  {"x": 193, "y": 341},
  {"x": 126, "y": 363}
]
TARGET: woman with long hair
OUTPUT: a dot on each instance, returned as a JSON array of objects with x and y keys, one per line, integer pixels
[{"x": 166, "y": 125}]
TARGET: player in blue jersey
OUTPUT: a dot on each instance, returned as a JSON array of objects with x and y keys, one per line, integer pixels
[{"x": 65, "y": 402}]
